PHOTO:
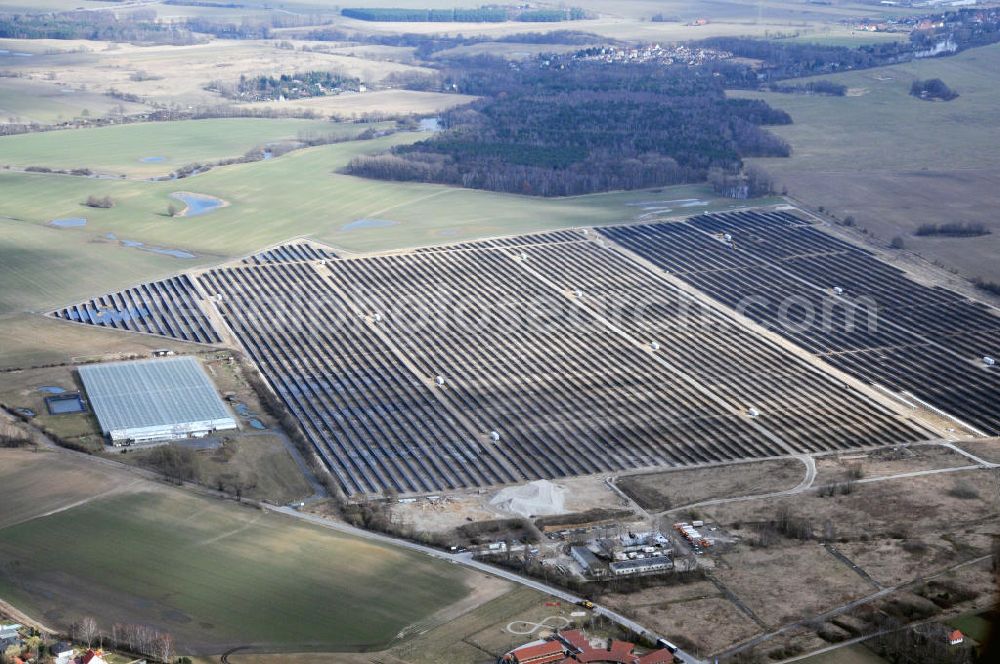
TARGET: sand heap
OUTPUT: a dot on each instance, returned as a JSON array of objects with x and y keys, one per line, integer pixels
[{"x": 536, "y": 498}]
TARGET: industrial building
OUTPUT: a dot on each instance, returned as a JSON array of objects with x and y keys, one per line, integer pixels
[
  {"x": 641, "y": 566},
  {"x": 590, "y": 563},
  {"x": 152, "y": 400}
]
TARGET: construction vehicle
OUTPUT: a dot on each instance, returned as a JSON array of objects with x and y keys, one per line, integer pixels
[{"x": 585, "y": 603}]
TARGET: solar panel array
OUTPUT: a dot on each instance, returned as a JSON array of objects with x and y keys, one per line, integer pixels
[
  {"x": 168, "y": 308},
  {"x": 809, "y": 286},
  {"x": 291, "y": 252},
  {"x": 491, "y": 362}
]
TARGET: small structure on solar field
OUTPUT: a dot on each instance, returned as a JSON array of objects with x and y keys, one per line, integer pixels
[
  {"x": 989, "y": 361},
  {"x": 153, "y": 400}
]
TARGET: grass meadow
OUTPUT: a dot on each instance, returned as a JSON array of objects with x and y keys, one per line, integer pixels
[
  {"x": 214, "y": 574},
  {"x": 151, "y": 149},
  {"x": 298, "y": 194}
]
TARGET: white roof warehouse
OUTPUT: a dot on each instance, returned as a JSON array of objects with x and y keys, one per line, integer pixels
[{"x": 161, "y": 399}]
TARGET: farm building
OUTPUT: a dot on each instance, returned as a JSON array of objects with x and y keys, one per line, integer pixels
[
  {"x": 641, "y": 566},
  {"x": 161, "y": 399}
]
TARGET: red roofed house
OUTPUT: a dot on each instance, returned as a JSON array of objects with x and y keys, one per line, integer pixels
[
  {"x": 540, "y": 653},
  {"x": 955, "y": 638}
]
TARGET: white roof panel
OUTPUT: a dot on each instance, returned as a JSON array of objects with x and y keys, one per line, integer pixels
[{"x": 152, "y": 393}]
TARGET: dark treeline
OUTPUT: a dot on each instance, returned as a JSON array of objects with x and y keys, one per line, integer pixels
[
  {"x": 582, "y": 127},
  {"x": 957, "y": 31},
  {"x": 954, "y": 229},
  {"x": 138, "y": 26},
  {"x": 492, "y": 14},
  {"x": 811, "y": 87},
  {"x": 253, "y": 28},
  {"x": 931, "y": 89},
  {"x": 781, "y": 60},
  {"x": 426, "y": 45}
]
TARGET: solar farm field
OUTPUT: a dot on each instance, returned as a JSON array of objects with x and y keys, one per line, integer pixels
[
  {"x": 499, "y": 361},
  {"x": 840, "y": 303},
  {"x": 79, "y": 538},
  {"x": 578, "y": 351}
]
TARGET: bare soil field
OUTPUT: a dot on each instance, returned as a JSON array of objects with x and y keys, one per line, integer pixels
[
  {"x": 893, "y": 561},
  {"x": 710, "y": 624},
  {"x": 677, "y": 488},
  {"x": 987, "y": 449},
  {"x": 789, "y": 583},
  {"x": 900, "y": 508},
  {"x": 461, "y": 507},
  {"x": 179, "y": 74},
  {"x": 885, "y": 462}
]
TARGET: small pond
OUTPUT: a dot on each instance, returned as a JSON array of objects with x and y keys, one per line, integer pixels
[
  {"x": 197, "y": 203},
  {"x": 68, "y": 222},
  {"x": 153, "y": 160},
  {"x": 51, "y": 389}
]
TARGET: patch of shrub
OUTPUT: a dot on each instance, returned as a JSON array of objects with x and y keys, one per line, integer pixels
[
  {"x": 104, "y": 202},
  {"x": 931, "y": 89},
  {"x": 953, "y": 229},
  {"x": 963, "y": 490}
]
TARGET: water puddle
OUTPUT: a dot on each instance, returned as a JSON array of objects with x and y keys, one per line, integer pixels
[
  {"x": 165, "y": 251},
  {"x": 69, "y": 222},
  {"x": 51, "y": 389},
  {"x": 153, "y": 160},
  {"x": 362, "y": 224},
  {"x": 197, "y": 203}
]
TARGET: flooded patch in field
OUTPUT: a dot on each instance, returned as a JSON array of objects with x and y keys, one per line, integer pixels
[
  {"x": 14, "y": 54},
  {"x": 257, "y": 424},
  {"x": 69, "y": 222},
  {"x": 165, "y": 251},
  {"x": 197, "y": 203},
  {"x": 24, "y": 412},
  {"x": 362, "y": 224},
  {"x": 153, "y": 160},
  {"x": 430, "y": 124}
]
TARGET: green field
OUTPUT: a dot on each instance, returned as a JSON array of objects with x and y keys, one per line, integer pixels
[
  {"x": 298, "y": 194},
  {"x": 28, "y": 100},
  {"x": 852, "y": 654},
  {"x": 212, "y": 573},
  {"x": 977, "y": 626},
  {"x": 120, "y": 149},
  {"x": 895, "y": 161}
]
